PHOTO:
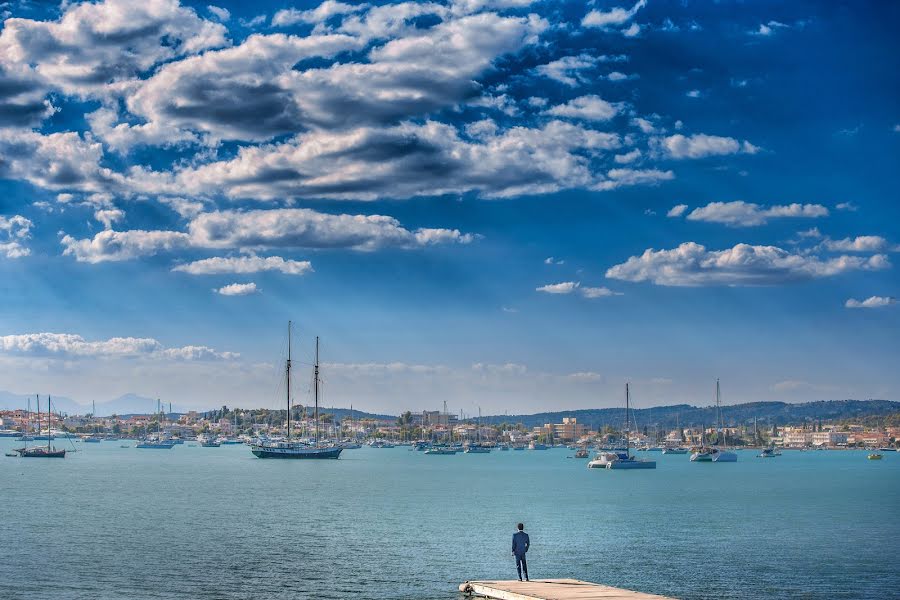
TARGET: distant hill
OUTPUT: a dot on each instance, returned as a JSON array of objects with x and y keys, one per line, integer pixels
[
  {"x": 766, "y": 413},
  {"x": 126, "y": 404},
  {"x": 11, "y": 401}
]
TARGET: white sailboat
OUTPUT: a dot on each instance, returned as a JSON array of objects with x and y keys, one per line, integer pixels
[
  {"x": 622, "y": 460},
  {"x": 714, "y": 453}
]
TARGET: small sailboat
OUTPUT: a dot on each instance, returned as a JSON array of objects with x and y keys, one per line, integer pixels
[
  {"x": 714, "y": 453},
  {"x": 159, "y": 442},
  {"x": 675, "y": 450},
  {"x": 582, "y": 452},
  {"x": 622, "y": 460},
  {"x": 478, "y": 447},
  {"x": 875, "y": 456},
  {"x": 289, "y": 448},
  {"x": 769, "y": 452}
]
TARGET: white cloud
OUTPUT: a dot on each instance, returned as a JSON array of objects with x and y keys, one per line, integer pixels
[
  {"x": 566, "y": 287},
  {"x": 370, "y": 163},
  {"x": 871, "y": 302},
  {"x": 222, "y": 14},
  {"x": 691, "y": 264},
  {"x": 305, "y": 228},
  {"x": 244, "y": 265},
  {"x": 620, "y": 177},
  {"x": 553, "y": 261},
  {"x": 598, "y": 292},
  {"x": 811, "y": 233},
  {"x": 677, "y": 210},
  {"x": 746, "y": 214},
  {"x": 71, "y": 346},
  {"x": 14, "y": 232},
  {"x": 612, "y": 17},
  {"x": 568, "y": 69},
  {"x": 862, "y": 243},
  {"x": 848, "y": 206},
  {"x": 701, "y": 145},
  {"x": 693, "y": 94},
  {"x": 767, "y": 29},
  {"x": 237, "y": 289},
  {"x": 112, "y": 245},
  {"x": 323, "y": 12},
  {"x": 108, "y": 216},
  {"x": 591, "y": 108},
  {"x": 632, "y": 30},
  {"x": 628, "y": 157},
  {"x": 94, "y": 44}
]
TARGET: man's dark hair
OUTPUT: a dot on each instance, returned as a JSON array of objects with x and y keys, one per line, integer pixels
[{"x": 520, "y": 526}]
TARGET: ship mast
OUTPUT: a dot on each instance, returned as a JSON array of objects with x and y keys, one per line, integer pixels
[
  {"x": 316, "y": 390},
  {"x": 627, "y": 424},
  {"x": 287, "y": 375}
]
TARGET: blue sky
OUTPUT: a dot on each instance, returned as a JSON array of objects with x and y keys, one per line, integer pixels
[{"x": 500, "y": 203}]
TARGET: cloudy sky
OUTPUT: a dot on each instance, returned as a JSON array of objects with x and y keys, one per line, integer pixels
[{"x": 511, "y": 204}]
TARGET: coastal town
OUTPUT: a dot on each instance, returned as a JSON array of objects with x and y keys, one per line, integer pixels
[{"x": 437, "y": 426}]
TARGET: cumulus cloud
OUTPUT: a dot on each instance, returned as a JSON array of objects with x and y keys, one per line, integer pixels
[
  {"x": 14, "y": 232},
  {"x": 108, "y": 216},
  {"x": 591, "y": 108},
  {"x": 701, "y": 145},
  {"x": 848, "y": 206},
  {"x": 616, "y": 178},
  {"x": 566, "y": 287},
  {"x": 71, "y": 346},
  {"x": 692, "y": 264},
  {"x": 570, "y": 69},
  {"x": 598, "y": 292},
  {"x": 260, "y": 229},
  {"x": 112, "y": 245},
  {"x": 871, "y": 302},
  {"x": 22, "y": 97},
  {"x": 253, "y": 91},
  {"x": 748, "y": 214},
  {"x": 614, "y": 16},
  {"x": 323, "y": 12},
  {"x": 244, "y": 264},
  {"x": 569, "y": 287},
  {"x": 409, "y": 160},
  {"x": 861, "y": 243},
  {"x": 94, "y": 44},
  {"x": 237, "y": 289},
  {"x": 305, "y": 228},
  {"x": 768, "y": 29},
  {"x": 677, "y": 210}
]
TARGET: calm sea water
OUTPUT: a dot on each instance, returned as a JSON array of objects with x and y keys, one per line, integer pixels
[{"x": 192, "y": 522}]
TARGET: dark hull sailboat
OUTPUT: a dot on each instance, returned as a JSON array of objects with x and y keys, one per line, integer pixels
[{"x": 298, "y": 450}]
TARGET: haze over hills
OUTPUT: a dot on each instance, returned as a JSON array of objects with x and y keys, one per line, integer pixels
[{"x": 662, "y": 416}]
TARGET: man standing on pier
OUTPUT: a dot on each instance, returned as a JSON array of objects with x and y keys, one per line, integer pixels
[{"x": 520, "y": 545}]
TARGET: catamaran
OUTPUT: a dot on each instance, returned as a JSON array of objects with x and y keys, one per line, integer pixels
[
  {"x": 289, "y": 448},
  {"x": 622, "y": 460}
]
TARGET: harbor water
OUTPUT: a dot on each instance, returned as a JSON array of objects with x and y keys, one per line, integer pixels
[{"x": 120, "y": 523}]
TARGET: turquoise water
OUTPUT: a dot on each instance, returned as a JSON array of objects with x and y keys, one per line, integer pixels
[{"x": 192, "y": 522}]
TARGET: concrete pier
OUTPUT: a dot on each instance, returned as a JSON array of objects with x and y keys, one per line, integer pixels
[{"x": 551, "y": 589}]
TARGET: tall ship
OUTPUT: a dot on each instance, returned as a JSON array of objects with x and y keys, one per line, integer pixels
[
  {"x": 48, "y": 451},
  {"x": 289, "y": 448}
]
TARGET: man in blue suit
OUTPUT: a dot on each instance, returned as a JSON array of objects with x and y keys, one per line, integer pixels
[{"x": 520, "y": 545}]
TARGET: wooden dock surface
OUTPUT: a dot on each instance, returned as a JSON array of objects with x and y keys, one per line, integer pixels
[{"x": 552, "y": 589}]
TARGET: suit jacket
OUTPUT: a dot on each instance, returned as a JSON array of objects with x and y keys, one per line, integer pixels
[{"x": 520, "y": 543}]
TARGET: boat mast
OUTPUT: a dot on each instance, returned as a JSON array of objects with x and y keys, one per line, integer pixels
[
  {"x": 627, "y": 424},
  {"x": 49, "y": 436},
  {"x": 719, "y": 417},
  {"x": 287, "y": 376},
  {"x": 316, "y": 390}
]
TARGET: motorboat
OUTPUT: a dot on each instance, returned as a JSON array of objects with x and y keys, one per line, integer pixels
[
  {"x": 770, "y": 452},
  {"x": 675, "y": 451}
]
